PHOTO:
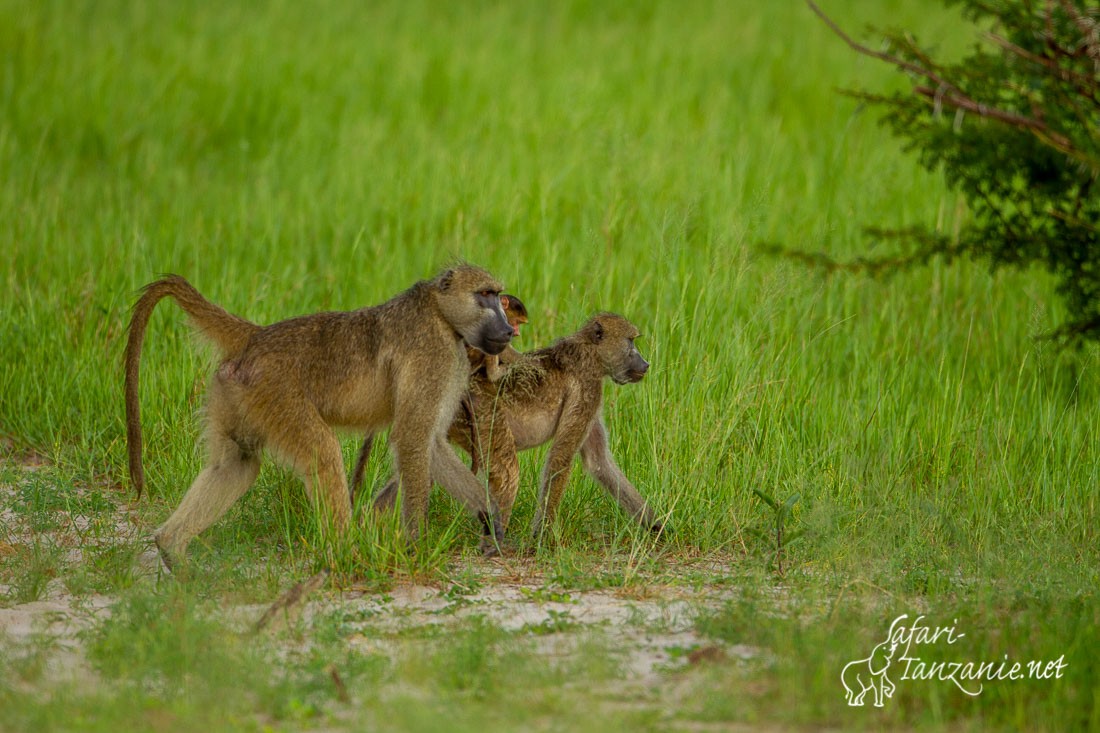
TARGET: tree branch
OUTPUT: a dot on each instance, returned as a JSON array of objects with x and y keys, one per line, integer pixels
[
  {"x": 961, "y": 101},
  {"x": 888, "y": 58}
]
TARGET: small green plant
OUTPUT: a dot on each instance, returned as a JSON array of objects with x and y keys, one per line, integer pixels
[
  {"x": 781, "y": 513},
  {"x": 114, "y": 567},
  {"x": 475, "y": 660},
  {"x": 546, "y": 595},
  {"x": 466, "y": 581},
  {"x": 458, "y": 597},
  {"x": 554, "y": 623},
  {"x": 29, "y": 569}
]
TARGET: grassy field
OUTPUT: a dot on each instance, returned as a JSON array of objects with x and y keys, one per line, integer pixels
[{"x": 627, "y": 156}]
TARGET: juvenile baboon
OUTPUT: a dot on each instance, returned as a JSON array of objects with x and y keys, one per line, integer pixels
[
  {"x": 492, "y": 366},
  {"x": 479, "y": 414},
  {"x": 284, "y": 387},
  {"x": 556, "y": 394}
]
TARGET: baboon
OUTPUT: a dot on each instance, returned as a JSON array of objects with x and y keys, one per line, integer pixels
[
  {"x": 284, "y": 387},
  {"x": 494, "y": 364},
  {"x": 556, "y": 394},
  {"x": 491, "y": 365}
]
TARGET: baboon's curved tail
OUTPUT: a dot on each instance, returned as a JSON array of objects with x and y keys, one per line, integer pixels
[{"x": 229, "y": 332}]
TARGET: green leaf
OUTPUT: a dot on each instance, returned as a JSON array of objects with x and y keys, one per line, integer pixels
[
  {"x": 767, "y": 499},
  {"x": 790, "y": 537}
]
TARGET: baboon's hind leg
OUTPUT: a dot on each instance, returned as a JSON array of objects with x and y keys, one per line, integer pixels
[
  {"x": 598, "y": 462},
  {"x": 229, "y": 472}
]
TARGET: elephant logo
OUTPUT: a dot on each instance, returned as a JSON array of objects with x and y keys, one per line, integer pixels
[{"x": 869, "y": 674}]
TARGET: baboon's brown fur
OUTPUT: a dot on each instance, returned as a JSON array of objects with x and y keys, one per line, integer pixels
[
  {"x": 489, "y": 366},
  {"x": 283, "y": 388},
  {"x": 555, "y": 394}
]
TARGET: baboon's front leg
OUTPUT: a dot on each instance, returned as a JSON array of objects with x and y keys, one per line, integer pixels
[
  {"x": 572, "y": 429},
  {"x": 451, "y": 474},
  {"x": 413, "y": 456},
  {"x": 599, "y": 463},
  {"x": 460, "y": 483},
  {"x": 422, "y": 409},
  {"x": 494, "y": 370}
]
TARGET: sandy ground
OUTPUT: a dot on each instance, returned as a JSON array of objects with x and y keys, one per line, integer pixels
[
  {"x": 652, "y": 623},
  {"x": 656, "y": 629}
]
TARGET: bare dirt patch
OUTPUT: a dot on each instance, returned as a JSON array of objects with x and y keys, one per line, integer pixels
[
  {"x": 653, "y": 630},
  {"x": 651, "y": 624}
]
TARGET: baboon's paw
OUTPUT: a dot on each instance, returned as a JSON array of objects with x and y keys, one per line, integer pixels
[
  {"x": 173, "y": 561},
  {"x": 497, "y": 547},
  {"x": 661, "y": 530}
]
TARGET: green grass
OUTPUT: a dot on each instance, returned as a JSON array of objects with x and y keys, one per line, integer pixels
[{"x": 629, "y": 156}]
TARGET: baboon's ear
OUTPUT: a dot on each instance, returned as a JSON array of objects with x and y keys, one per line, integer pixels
[
  {"x": 504, "y": 301},
  {"x": 597, "y": 332},
  {"x": 446, "y": 279}
]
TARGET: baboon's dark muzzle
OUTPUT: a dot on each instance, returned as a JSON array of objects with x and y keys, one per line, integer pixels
[
  {"x": 637, "y": 370},
  {"x": 495, "y": 338}
]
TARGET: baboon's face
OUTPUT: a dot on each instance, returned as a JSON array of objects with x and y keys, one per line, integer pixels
[
  {"x": 469, "y": 299},
  {"x": 614, "y": 338},
  {"x": 515, "y": 311}
]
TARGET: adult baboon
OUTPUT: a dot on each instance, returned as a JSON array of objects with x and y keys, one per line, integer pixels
[
  {"x": 556, "y": 394},
  {"x": 491, "y": 366},
  {"x": 284, "y": 387}
]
